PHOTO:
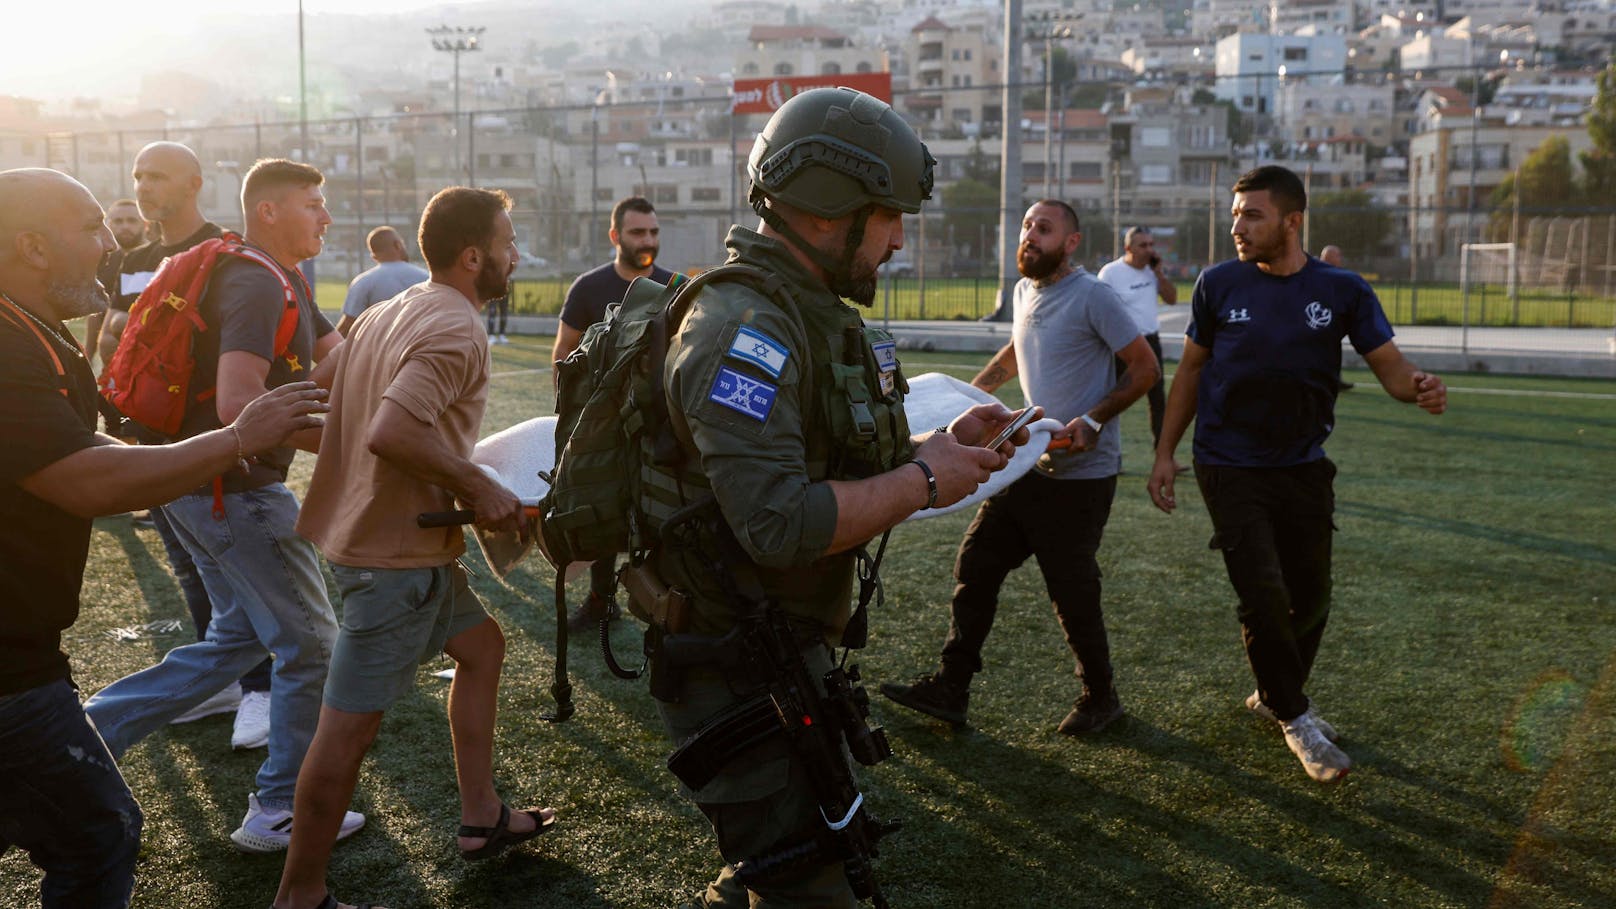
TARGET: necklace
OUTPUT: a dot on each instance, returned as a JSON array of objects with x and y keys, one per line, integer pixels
[{"x": 66, "y": 342}]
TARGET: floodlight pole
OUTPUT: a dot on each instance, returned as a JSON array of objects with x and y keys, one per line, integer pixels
[
  {"x": 1010, "y": 158},
  {"x": 302, "y": 89},
  {"x": 456, "y": 40}
]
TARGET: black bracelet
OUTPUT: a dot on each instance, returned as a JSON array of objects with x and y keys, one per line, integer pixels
[
  {"x": 941, "y": 429},
  {"x": 931, "y": 482}
]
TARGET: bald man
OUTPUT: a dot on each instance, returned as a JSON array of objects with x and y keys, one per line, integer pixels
[
  {"x": 391, "y": 276},
  {"x": 1331, "y": 255},
  {"x": 62, "y": 799}
]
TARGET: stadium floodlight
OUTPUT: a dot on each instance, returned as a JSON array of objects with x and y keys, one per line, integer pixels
[{"x": 456, "y": 40}]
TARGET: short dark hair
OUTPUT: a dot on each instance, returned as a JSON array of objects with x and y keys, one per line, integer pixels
[
  {"x": 1127, "y": 236},
  {"x": 632, "y": 203},
  {"x": 268, "y": 174},
  {"x": 1281, "y": 183},
  {"x": 456, "y": 219},
  {"x": 374, "y": 239},
  {"x": 118, "y": 202},
  {"x": 1071, "y": 213}
]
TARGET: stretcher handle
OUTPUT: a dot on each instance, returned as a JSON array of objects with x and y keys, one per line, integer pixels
[{"x": 428, "y": 519}]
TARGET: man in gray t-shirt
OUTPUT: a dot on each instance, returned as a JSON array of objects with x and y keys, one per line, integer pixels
[
  {"x": 392, "y": 275},
  {"x": 1068, "y": 328}
]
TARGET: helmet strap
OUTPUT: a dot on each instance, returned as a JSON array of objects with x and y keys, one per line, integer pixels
[{"x": 836, "y": 272}]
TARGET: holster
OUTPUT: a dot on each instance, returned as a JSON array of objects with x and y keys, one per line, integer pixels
[{"x": 652, "y": 601}]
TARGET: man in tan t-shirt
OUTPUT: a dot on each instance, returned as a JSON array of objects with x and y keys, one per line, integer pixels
[{"x": 407, "y": 399}]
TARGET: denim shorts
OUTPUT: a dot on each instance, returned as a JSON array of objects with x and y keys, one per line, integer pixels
[{"x": 393, "y": 620}]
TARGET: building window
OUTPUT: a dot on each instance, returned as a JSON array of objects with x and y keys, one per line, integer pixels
[
  {"x": 831, "y": 68},
  {"x": 967, "y": 53},
  {"x": 1085, "y": 170},
  {"x": 1155, "y": 174},
  {"x": 863, "y": 67},
  {"x": 705, "y": 194},
  {"x": 749, "y": 68},
  {"x": 1295, "y": 53},
  {"x": 1155, "y": 136},
  {"x": 604, "y": 194},
  {"x": 667, "y": 195},
  {"x": 782, "y": 69}
]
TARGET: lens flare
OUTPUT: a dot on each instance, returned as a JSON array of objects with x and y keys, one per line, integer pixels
[{"x": 1536, "y": 728}]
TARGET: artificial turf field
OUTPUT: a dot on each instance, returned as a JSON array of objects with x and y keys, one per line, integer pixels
[{"x": 1470, "y": 665}]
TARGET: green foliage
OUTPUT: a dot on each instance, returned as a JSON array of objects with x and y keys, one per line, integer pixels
[
  {"x": 971, "y": 214},
  {"x": 1545, "y": 183},
  {"x": 1468, "y": 663},
  {"x": 1350, "y": 219},
  {"x": 1599, "y": 162}
]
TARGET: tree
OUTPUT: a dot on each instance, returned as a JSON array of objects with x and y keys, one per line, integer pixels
[
  {"x": 1599, "y": 162},
  {"x": 1350, "y": 219},
  {"x": 971, "y": 216},
  {"x": 1543, "y": 182}
]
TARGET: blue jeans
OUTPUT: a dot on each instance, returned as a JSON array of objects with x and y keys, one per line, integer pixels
[
  {"x": 63, "y": 801},
  {"x": 268, "y": 594},
  {"x": 196, "y": 595}
]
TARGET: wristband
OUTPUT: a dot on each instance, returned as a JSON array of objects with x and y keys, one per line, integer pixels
[
  {"x": 1094, "y": 424},
  {"x": 931, "y": 482},
  {"x": 241, "y": 451},
  {"x": 941, "y": 429}
]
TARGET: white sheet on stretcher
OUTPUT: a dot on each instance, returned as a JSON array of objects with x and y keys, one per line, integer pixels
[{"x": 514, "y": 456}]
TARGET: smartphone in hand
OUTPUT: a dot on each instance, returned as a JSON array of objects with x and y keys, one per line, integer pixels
[{"x": 1026, "y": 416}]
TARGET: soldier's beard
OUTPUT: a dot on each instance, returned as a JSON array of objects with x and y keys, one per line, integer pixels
[
  {"x": 69, "y": 300},
  {"x": 860, "y": 283},
  {"x": 492, "y": 284}
]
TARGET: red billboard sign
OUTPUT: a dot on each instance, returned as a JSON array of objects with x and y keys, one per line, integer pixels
[{"x": 764, "y": 96}]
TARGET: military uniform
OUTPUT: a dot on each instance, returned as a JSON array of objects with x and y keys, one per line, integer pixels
[{"x": 767, "y": 403}]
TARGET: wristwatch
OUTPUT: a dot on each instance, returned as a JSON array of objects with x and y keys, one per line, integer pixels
[{"x": 1094, "y": 424}]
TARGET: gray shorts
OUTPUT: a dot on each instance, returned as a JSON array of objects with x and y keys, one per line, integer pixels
[{"x": 393, "y": 620}]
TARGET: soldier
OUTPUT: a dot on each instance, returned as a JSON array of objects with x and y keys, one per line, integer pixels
[{"x": 788, "y": 412}]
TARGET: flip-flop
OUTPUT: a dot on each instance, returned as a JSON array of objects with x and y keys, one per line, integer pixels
[{"x": 500, "y": 837}]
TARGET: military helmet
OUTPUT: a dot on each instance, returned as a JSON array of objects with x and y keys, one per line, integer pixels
[{"x": 831, "y": 151}]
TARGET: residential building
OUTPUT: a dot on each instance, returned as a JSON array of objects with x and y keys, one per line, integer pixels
[
  {"x": 954, "y": 74},
  {"x": 805, "y": 50},
  {"x": 1248, "y": 65}
]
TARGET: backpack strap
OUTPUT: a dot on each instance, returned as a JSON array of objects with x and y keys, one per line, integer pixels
[
  {"x": 286, "y": 329},
  {"x": 14, "y": 314}
]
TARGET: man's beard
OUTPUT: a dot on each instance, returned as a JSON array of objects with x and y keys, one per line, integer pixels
[
  {"x": 72, "y": 300},
  {"x": 1036, "y": 264},
  {"x": 636, "y": 259},
  {"x": 491, "y": 282},
  {"x": 1260, "y": 253},
  {"x": 859, "y": 284}
]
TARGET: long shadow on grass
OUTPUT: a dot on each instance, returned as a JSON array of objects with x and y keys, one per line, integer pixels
[
  {"x": 1602, "y": 556},
  {"x": 1030, "y": 781},
  {"x": 1451, "y": 433}
]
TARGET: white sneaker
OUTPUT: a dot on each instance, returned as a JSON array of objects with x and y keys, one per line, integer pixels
[
  {"x": 504, "y": 340},
  {"x": 1255, "y": 705},
  {"x": 266, "y": 830},
  {"x": 224, "y": 701},
  {"x": 1320, "y": 758},
  {"x": 252, "y": 721}
]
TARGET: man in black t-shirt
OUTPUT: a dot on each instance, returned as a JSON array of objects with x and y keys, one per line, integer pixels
[
  {"x": 635, "y": 237},
  {"x": 129, "y": 230},
  {"x": 62, "y": 799},
  {"x": 264, "y": 580}
]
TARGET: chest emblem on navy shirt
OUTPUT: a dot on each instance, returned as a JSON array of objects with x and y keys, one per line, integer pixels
[
  {"x": 742, "y": 394},
  {"x": 759, "y": 349},
  {"x": 1238, "y": 315},
  {"x": 1318, "y": 315}
]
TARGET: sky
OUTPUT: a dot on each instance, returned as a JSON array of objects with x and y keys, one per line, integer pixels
[{"x": 60, "y": 48}]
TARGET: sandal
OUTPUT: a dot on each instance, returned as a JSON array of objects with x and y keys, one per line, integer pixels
[
  {"x": 330, "y": 902},
  {"x": 500, "y": 837}
]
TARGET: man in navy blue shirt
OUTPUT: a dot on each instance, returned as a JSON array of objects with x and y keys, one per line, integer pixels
[{"x": 1265, "y": 332}]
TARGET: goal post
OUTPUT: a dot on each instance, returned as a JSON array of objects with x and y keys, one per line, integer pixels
[{"x": 1483, "y": 266}]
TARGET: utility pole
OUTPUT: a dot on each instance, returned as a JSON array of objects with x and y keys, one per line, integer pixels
[
  {"x": 1010, "y": 159},
  {"x": 302, "y": 90}
]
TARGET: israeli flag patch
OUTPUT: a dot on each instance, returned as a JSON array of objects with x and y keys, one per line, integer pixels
[
  {"x": 886, "y": 355},
  {"x": 743, "y": 394},
  {"x": 758, "y": 348}
]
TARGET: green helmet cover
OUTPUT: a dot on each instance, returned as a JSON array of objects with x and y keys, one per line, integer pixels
[{"x": 832, "y": 151}]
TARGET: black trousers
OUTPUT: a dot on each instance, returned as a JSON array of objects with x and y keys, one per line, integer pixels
[
  {"x": 1274, "y": 528},
  {"x": 498, "y": 312},
  {"x": 1058, "y": 522},
  {"x": 1158, "y": 392}
]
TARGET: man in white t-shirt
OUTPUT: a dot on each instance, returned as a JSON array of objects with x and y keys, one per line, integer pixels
[{"x": 1138, "y": 279}]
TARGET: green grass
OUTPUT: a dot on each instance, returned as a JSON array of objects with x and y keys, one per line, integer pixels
[
  {"x": 1470, "y": 665},
  {"x": 973, "y": 298}
]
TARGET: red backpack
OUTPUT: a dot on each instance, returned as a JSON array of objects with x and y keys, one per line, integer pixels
[{"x": 149, "y": 377}]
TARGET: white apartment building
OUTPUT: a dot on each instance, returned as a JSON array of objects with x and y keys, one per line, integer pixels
[{"x": 1248, "y": 65}]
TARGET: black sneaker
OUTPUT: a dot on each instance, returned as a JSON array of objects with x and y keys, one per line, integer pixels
[
  {"x": 591, "y": 611},
  {"x": 932, "y": 695},
  {"x": 1091, "y": 714}
]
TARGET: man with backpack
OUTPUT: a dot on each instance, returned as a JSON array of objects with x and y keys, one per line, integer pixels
[
  {"x": 408, "y": 394},
  {"x": 62, "y": 799},
  {"x": 636, "y": 239},
  {"x": 793, "y": 452},
  {"x": 168, "y": 181},
  {"x": 268, "y": 593}
]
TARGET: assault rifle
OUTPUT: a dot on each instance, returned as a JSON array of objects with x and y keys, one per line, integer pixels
[{"x": 765, "y": 650}]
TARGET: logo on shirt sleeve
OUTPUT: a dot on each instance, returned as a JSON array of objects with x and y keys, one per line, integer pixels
[
  {"x": 752, "y": 397},
  {"x": 1318, "y": 315},
  {"x": 759, "y": 349},
  {"x": 1238, "y": 315}
]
